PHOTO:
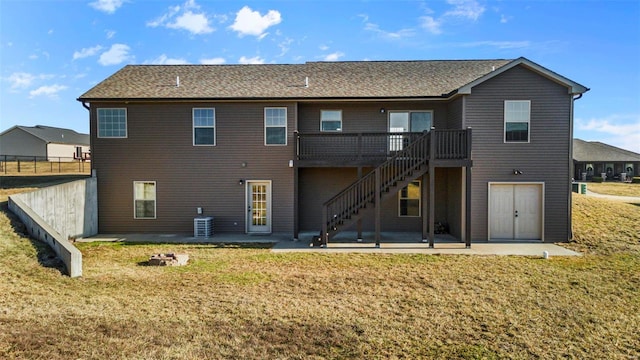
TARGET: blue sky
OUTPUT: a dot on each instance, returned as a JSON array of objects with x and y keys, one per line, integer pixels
[{"x": 53, "y": 51}]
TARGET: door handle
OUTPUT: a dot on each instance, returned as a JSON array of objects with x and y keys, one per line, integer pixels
[
  {"x": 516, "y": 213},
  {"x": 248, "y": 208}
]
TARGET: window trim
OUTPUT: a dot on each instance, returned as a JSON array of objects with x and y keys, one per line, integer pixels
[
  {"x": 193, "y": 126},
  {"x": 431, "y": 111},
  {"x": 155, "y": 200},
  {"x": 286, "y": 140},
  {"x": 321, "y": 121},
  {"x": 126, "y": 123},
  {"x": 400, "y": 198},
  {"x": 528, "y": 122}
]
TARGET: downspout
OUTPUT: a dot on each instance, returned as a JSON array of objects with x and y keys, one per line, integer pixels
[
  {"x": 84, "y": 105},
  {"x": 571, "y": 167}
]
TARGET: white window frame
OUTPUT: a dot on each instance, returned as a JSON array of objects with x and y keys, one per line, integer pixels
[
  {"x": 194, "y": 127},
  {"x": 520, "y": 121},
  {"x": 400, "y": 198},
  {"x": 322, "y": 121},
  {"x": 276, "y": 126},
  {"x": 126, "y": 130},
  {"x": 155, "y": 200}
]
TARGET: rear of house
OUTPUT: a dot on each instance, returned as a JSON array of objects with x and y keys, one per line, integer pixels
[{"x": 480, "y": 149}]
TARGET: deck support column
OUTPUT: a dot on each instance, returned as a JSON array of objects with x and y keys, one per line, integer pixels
[
  {"x": 467, "y": 212},
  {"x": 377, "y": 205},
  {"x": 359, "y": 224},
  {"x": 425, "y": 207},
  {"x": 432, "y": 204}
]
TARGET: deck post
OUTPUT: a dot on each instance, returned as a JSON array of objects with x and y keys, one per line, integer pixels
[
  {"x": 296, "y": 226},
  {"x": 377, "y": 205},
  {"x": 425, "y": 207},
  {"x": 325, "y": 227},
  {"x": 432, "y": 188},
  {"x": 467, "y": 215},
  {"x": 359, "y": 224}
]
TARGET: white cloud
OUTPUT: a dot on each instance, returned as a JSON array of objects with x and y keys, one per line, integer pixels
[
  {"x": 184, "y": 17},
  {"x": 164, "y": 60},
  {"x": 504, "y": 19},
  {"x": 621, "y": 130},
  {"x": 431, "y": 25},
  {"x": 284, "y": 46},
  {"x": 51, "y": 90},
  {"x": 118, "y": 53},
  {"x": 21, "y": 80},
  {"x": 110, "y": 33},
  {"x": 33, "y": 57},
  {"x": 107, "y": 6},
  {"x": 194, "y": 23},
  {"x": 254, "y": 60},
  {"x": 86, "y": 52},
  {"x": 50, "y": 32},
  {"x": 389, "y": 35},
  {"x": 469, "y": 9},
  {"x": 249, "y": 22},
  {"x": 213, "y": 61},
  {"x": 334, "y": 56}
]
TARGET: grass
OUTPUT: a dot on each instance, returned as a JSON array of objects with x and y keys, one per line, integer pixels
[
  {"x": 612, "y": 188},
  {"x": 246, "y": 302}
]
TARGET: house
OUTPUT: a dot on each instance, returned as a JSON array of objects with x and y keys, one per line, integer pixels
[
  {"x": 481, "y": 148},
  {"x": 45, "y": 142},
  {"x": 593, "y": 158}
]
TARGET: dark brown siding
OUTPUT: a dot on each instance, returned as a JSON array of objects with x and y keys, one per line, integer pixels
[
  {"x": 544, "y": 159},
  {"x": 454, "y": 112},
  {"x": 159, "y": 148},
  {"x": 366, "y": 117},
  {"x": 318, "y": 185}
]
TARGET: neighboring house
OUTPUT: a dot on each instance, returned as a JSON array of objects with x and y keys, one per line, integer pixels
[
  {"x": 593, "y": 158},
  {"x": 44, "y": 142},
  {"x": 481, "y": 147}
]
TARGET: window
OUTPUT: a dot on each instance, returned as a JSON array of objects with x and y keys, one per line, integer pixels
[
  {"x": 407, "y": 121},
  {"x": 516, "y": 120},
  {"x": 204, "y": 126},
  {"x": 330, "y": 120},
  {"x": 144, "y": 199},
  {"x": 112, "y": 123},
  {"x": 409, "y": 200},
  {"x": 275, "y": 126}
]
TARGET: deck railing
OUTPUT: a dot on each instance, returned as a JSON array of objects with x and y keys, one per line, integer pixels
[{"x": 370, "y": 147}]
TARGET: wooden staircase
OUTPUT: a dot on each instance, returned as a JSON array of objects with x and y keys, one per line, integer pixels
[{"x": 366, "y": 194}]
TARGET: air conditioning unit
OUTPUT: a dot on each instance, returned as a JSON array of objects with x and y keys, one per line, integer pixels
[{"x": 203, "y": 226}]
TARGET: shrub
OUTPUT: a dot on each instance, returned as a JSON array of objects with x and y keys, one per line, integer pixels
[
  {"x": 635, "y": 180},
  {"x": 596, "y": 179}
]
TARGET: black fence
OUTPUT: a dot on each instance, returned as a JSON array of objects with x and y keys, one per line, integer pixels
[{"x": 26, "y": 165}]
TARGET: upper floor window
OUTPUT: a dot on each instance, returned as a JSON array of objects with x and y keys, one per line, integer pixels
[
  {"x": 407, "y": 121},
  {"x": 409, "y": 200},
  {"x": 204, "y": 126},
  {"x": 275, "y": 126},
  {"x": 517, "y": 114},
  {"x": 331, "y": 120},
  {"x": 112, "y": 123},
  {"x": 144, "y": 199}
]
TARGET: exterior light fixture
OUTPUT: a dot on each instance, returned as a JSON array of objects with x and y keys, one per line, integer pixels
[
  {"x": 382, "y": 110},
  {"x": 517, "y": 172},
  {"x": 241, "y": 182}
]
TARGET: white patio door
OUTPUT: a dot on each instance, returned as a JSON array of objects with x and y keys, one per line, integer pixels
[
  {"x": 258, "y": 206},
  {"x": 515, "y": 211}
]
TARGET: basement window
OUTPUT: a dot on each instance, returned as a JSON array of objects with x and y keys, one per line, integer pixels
[
  {"x": 144, "y": 199},
  {"x": 409, "y": 200}
]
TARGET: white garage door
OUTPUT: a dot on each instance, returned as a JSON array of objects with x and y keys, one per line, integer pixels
[{"x": 515, "y": 211}]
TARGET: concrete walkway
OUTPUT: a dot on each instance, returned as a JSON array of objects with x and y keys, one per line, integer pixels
[
  {"x": 391, "y": 243},
  {"x": 627, "y": 199}
]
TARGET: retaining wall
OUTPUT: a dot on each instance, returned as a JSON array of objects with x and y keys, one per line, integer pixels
[{"x": 58, "y": 213}]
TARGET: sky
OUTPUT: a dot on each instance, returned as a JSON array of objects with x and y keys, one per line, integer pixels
[{"x": 51, "y": 51}]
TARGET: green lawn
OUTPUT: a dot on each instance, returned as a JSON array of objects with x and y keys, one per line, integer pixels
[{"x": 249, "y": 303}]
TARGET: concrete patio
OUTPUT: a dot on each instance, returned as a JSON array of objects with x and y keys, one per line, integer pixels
[{"x": 390, "y": 243}]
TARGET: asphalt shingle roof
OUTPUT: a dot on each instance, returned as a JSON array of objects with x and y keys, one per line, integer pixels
[
  {"x": 596, "y": 151},
  {"x": 56, "y": 135},
  {"x": 360, "y": 79}
]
